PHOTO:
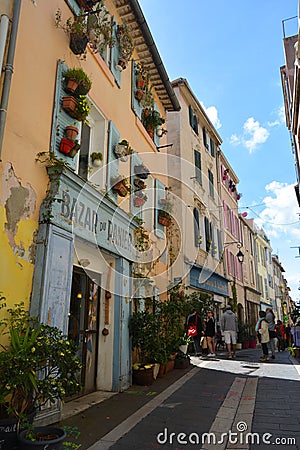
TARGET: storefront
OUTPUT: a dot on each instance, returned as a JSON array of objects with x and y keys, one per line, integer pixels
[{"x": 82, "y": 280}]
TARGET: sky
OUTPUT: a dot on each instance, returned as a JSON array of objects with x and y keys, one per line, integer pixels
[{"x": 230, "y": 52}]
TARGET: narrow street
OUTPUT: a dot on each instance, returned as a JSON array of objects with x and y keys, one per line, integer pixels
[{"x": 231, "y": 400}]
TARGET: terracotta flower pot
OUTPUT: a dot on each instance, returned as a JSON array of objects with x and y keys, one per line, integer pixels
[
  {"x": 165, "y": 221},
  {"x": 139, "y": 94},
  {"x": 139, "y": 201},
  {"x": 161, "y": 371},
  {"x": 140, "y": 82},
  {"x": 69, "y": 104},
  {"x": 150, "y": 131},
  {"x": 66, "y": 146},
  {"x": 170, "y": 365},
  {"x": 71, "y": 86},
  {"x": 71, "y": 133},
  {"x": 120, "y": 189}
]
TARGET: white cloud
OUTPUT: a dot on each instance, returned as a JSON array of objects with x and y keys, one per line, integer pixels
[
  {"x": 253, "y": 135},
  {"x": 212, "y": 113},
  {"x": 280, "y": 120}
]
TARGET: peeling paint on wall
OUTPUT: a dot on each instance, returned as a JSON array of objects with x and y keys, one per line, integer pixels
[{"x": 19, "y": 203}]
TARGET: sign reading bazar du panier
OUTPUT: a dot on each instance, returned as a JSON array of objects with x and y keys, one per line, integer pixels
[
  {"x": 207, "y": 280},
  {"x": 90, "y": 216}
]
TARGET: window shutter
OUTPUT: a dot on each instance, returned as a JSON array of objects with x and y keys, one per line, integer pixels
[
  {"x": 191, "y": 116},
  {"x": 60, "y": 118},
  {"x": 212, "y": 238},
  {"x": 198, "y": 173},
  {"x": 155, "y": 138},
  {"x": 219, "y": 238},
  {"x": 228, "y": 260},
  {"x": 114, "y": 57},
  {"x": 225, "y": 208},
  {"x": 112, "y": 160},
  {"x": 211, "y": 183},
  {"x": 205, "y": 137},
  {"x": 136, "y": 211},
  {"x": 159, "y": 195},
  {"x": 207, "y": 234},
  {"x": 135, "y": 104},
  {"x": 195, "y": 127},
  {"x": 75, "y": 8},
  {"x": 196, "y": 227},
  {"x": 212, "y": 148}
]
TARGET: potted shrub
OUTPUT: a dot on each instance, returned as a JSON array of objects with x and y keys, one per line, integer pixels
[
  {"x": 96, "y": 158},
  {"x": 77, "y": 81},
  {"x": 77, "y": 108},
  {"x": 122, "y": 150},
  {"x": 184, "y": 343},
  {"x": 125, "y": 43},
  {"x": 38, "y": 365},
  {"x": 76, "y": 28}
]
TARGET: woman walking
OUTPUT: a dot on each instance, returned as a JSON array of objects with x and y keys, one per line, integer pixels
[
  {"x": 210, "y": 332},
  {"x": 264, "y": 333}
]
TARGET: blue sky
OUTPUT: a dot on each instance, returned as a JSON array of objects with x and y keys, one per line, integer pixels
[{"x": 231, "y": 52}]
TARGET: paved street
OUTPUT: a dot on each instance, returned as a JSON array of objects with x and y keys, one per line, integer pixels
[{"x": 229, "y": 399}]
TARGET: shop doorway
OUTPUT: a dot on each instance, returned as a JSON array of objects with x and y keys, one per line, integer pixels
[{"x": 84, "y": 323}]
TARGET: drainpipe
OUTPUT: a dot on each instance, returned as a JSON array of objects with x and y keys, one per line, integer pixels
[
  {"x": 8, "y": 69},
  {"x": 4, "y": 23}
]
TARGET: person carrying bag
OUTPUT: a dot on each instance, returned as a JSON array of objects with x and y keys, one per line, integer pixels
[{"x": 195, "y": 331}]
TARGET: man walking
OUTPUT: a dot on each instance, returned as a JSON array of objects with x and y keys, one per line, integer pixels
[
  {"x": 270, "y": 318},
  {"x": 229, "y": 327}
]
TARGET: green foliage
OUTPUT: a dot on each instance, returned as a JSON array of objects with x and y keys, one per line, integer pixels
[
  {"x": 152, "y": 119},
  {"x": 38, "y": 365},
  {"x": 84, "y": 82},
  {"x": 96, "y": 155}
]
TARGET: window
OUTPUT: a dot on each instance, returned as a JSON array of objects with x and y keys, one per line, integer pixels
[
  {"x": 198, "y": 173},
  {"x": 212, "y": 147},
  {"x": 92, "y": 140},
  {"x": 193, "y": 120},
  {"x": 208, "y": 242},
  {"x": 211, "y": 183}
]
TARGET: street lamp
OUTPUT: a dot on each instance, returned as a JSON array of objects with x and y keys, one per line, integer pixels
[{"x": 240, "y": 255}]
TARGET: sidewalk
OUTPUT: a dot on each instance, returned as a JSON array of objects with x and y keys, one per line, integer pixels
[{"x": 212, "y": 396}]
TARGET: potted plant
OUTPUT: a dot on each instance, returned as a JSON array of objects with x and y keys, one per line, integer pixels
[
  {"x": 141, "y": 171},
  {"x": 66, "y": 146},
  {"x": 140, "y": 199},
  {"x": 96, "y": 29},
  {"x": 151, "y": 121},
  {"x": 121, "y": 186},
  {"x": 77, "y": 108},
  {"x": 87, "y": 5},
  {"x": 38, "y": 365},
  {"x": 122, "y": 150},
  {"x": 139, "y": 183},
  {"x": 96, "y": 158},
  {"x": 71, "y": 132},
  {"x": 125, "y": 43},
  {"x": 184, "y": 343},
  {"x": 164, "y": 218},
  {"x": 77, "y": 81}
]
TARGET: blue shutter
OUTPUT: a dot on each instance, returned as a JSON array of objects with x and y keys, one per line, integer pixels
[
  {"x": 114, "y": 57},
  {"x": 60, "y": 118},
  {"x": 159, "y": 195},
  {"x": 219, "y": 237},
  {"x": 156, "y": 138},
  {"x": 196, "y": 227},
  {"x": 74, "y": 6},
  {"x": 136, "y": 211},
  {"x": 112, "y": 160},
  {"x": 135, "y": 104}
]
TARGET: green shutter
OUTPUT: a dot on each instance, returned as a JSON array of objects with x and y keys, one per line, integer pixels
[
  {"x": 212, "y": 147},
  {"x": 74, "y": 6},
  {"x": 207, "y": 234},
  {"x": 195, "y": 127},
  {"x": 191, "y": 116},
  {"x": 112, "y": 160},
  {"x": 205, "y": 137},
  {"x": 198, "y": 173},
  {"x": 196, "y": 227},
  {"x": 159, "y": 195},
  {"x": 135, "y": 104},
  {"x": 114, "y": 57},
  {"x": 60, "y": 118}
]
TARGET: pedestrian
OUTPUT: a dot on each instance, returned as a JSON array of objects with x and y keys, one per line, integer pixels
[
  {"x": 263, "y": 330},
  {"x": 210, "y": 332},
  {"x": 288, "y": 335},
  {"x": 270, "y": 318},
  {"x": 194, "y": 323},
  {"x": 229, "y": 327},
  {"x": 280, "y": 334}
]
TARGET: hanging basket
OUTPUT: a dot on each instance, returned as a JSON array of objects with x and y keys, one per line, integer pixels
[{"x": 78, "y": 43}]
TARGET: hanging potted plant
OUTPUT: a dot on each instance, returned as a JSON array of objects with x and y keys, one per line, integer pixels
[
  {"x": 122, "y": 150},
  {"x": 139, "y": 199},
  {"x": 87, "y": 5},
  {"x": 76, "y": 28},
  {"x": 77, "y": 108},
  {"x": 139, "y": 94},
  {"x": 38, "y": 365},
  {"x": 138, "y": 182},
  {"x": 96, "y": 158},
  {"x": 152, "y": 121},
  {"x": 71, "y": 132},
  {"x": 141, "y": 171},
  {"x": 68, "y": 147},
  {"x": 164, "y": 218},
  {"x": 77, "y": 81},
  {"x": 125, "y": 43},
  {"x": 121, "y": 186}
]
